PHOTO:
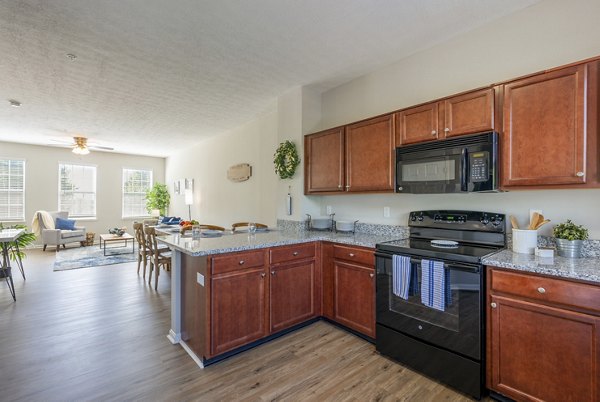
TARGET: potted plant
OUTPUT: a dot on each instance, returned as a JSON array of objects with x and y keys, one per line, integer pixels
[
  {"x": 158, "y": 198},
  {"x": 569, "y": 239},
  {"x": 25, "y": 239}
]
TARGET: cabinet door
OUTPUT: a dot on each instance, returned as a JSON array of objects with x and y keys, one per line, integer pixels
[
  {"x": 545, "y": 129},
  {"x": 543, "y": 353},
  {"x": 370, "y": 155},
  {"x": 469, "y": 113},
  {"x": 354, "y": 297},
  {"x": 292, "y": 294},
  {"x": 238, "y": 314},
  {"x": 324, "y": 161},
  {"x": 417, "y": 124}
]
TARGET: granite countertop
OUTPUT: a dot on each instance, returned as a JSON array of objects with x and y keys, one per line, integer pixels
[
  {"x": 584, "y": 269},
  {"x": 244, "y": 241}
]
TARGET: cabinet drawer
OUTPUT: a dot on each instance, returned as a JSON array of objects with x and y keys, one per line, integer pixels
[
  {"x": 550, "y": 290},
  {"x": 292, "y": 253},
  {"x": 365, "y": 257},
  {"x": 234, "y": 262}
]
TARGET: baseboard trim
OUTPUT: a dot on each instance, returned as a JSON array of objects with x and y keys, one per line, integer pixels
[
  {"x": 173, "y": 337},
  {"x": 189, "y": 351}
]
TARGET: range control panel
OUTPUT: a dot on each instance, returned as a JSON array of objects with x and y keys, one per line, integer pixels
[{"x": 461, "y": 220}]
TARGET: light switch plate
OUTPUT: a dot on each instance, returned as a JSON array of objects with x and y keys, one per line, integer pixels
[
  {"x": 200, "y": 278},
  {"x": 386, "y": 212}
]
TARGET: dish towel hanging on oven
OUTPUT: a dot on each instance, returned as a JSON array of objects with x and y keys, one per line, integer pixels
[
  {"x": 401, "y": 276},
  {"x": 433, "y": 284}
]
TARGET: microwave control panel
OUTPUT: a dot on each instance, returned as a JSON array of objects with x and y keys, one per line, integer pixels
[{"x": 479, "y": 167}]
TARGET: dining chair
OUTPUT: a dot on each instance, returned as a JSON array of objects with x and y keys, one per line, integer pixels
[
  {"x": 245, "y": 224},
  {"x": 158, "y": 257},
  {"x": 143, "y": 252}
]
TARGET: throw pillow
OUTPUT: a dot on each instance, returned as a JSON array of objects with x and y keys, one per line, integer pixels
[{"x": 65, "y": 224}]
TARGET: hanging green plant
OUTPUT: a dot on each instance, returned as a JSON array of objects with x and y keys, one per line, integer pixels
[{"x": 286, "y": 160}]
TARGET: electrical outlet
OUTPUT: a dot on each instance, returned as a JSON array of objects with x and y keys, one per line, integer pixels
[
  {"x": 329, "y": 210},
  {"x": 386, "y": 212}
]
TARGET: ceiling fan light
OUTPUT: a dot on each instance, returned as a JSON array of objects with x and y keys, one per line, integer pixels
[{"x": 81, "y": 150}]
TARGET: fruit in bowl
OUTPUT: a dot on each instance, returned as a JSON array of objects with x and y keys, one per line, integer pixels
[{"x": 189, "y": 223}]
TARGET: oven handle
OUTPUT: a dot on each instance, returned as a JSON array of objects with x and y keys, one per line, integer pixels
[
  {"x": 447, "y": 265},
  {"x": 464, "y": 174}
]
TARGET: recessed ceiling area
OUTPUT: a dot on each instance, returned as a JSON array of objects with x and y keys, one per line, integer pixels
[{"x": 152, "y": 77}]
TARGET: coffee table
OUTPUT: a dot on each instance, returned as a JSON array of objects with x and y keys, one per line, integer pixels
[{"x": 111, "y": 238}]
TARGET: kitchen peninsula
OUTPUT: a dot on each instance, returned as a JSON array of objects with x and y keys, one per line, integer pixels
[{"x": 232, "y": 292}]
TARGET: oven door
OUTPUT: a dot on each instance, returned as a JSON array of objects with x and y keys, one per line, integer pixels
[{"x": 457, "y": 328}]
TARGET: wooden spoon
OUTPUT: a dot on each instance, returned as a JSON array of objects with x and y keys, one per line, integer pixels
[
  {"x": 514, "y": 222},
  {"x": 542, "y": 223},
  {"x": 533, "y": 220}
]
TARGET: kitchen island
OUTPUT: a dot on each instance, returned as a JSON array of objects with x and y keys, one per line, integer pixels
[{"x": 232, "y": 291}]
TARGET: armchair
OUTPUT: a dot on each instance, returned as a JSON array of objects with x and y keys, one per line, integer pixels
[{"x": 57, "y": 237}]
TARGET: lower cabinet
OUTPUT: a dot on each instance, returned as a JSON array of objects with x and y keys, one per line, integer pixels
[
  {"x": 543, "y": 340},
  {"x": 292, "y": 294},
  {"x": 349, "y": 287},
  {"x": 238, "y": 305}
]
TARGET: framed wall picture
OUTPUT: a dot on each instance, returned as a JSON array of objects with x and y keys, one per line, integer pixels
[{"x": 177, "y": 187}]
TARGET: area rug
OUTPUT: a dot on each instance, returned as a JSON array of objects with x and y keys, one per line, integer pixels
[{"x": 92, "y": 256}]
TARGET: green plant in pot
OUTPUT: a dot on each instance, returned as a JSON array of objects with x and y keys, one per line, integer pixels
[
  {"x": 158, "y": 198},
  {"x": 569, "y": 239},
  {"x": 25, "y": 239}
]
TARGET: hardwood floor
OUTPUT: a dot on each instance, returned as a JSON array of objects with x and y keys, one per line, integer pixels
[{"x": 100, "y": 334}]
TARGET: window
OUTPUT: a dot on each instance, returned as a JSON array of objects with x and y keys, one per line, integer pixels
[
  {"x": 77, "y": 190},
  {"x": 12, "y": 190},
  {"x": 135, "y": 184}
]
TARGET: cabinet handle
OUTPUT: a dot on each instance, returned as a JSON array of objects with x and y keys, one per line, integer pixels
[
  {"x": 295, "y": 253},
  {"x": 579, "y": 174},
  {"x": 351, "y": 254},
  {"x": 347, "y": 185},
  {"x": 263, "y": 275},
  {"x": 242, "y": 262},
  {"x": 433, "y": 132},
  {"x": 494, "y": 305},
  {"x": 446, "y": 130},
  {"x": 541, "y": 290},
  {"x": 371, "y": 275},
  {"x": 339, "y": 186},
  {"x": 272, "y": 273}
]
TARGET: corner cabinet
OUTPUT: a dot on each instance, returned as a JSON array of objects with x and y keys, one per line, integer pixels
[
  {"x": 469, "y": 113},
  {"x": 545, "y": 140},
  {"x": 355, "y": 158},
  {"x": 543, "y": 337}
]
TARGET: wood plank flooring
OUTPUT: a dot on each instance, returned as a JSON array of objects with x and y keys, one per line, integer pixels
[{"x": 100, "y": 334}]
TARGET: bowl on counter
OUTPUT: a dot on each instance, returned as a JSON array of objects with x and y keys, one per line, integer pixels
[
  {"x": 321, "y": 223},
  {"x": 345, "y": 226}
]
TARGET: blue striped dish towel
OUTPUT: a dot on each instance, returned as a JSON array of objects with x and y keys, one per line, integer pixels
[
  {"x": 433, "y": 284},
  {"x": 401, "y": 276}
]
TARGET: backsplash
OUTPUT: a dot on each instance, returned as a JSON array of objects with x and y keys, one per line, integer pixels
[
  {"x": 591, "y": 248},
  {"x": 400, "y": 232}
]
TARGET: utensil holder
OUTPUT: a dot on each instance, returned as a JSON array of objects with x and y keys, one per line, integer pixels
[{"x": 524, "y": 241}]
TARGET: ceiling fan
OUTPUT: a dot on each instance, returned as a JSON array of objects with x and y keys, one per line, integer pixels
[{"x": 81, "y": 146}]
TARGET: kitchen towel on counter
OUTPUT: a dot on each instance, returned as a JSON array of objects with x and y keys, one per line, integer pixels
[
  {"x": 401, "y": 276},
  {"x": 433, "y": 284}
]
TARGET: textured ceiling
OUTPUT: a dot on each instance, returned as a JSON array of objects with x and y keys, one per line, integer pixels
[{"x": 154, "y": 76}]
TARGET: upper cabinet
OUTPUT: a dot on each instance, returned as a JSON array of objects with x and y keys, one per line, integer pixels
[
  {"x": 324, "y": 162},
  {"x": 357, "y": 158},
  {"x": 469, "y": 113},
  {"x": 545, "y": 127}
]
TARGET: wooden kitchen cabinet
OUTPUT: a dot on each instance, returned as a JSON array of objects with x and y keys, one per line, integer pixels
[
  {"x": 349, "y": 287},
  {"x": 293, "y": 294},
  {"x": 238, "y": 308},
  {"x": 357, "y": 158},
  {"x": 543, "y": 340},
  {"x": 545, "y": 129},
  {"x": 324, "y": 162},
  {"x": 469, "y": 113}
]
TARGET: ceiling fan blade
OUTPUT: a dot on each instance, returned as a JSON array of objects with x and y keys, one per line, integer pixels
[{"x": 100, "y": 147}]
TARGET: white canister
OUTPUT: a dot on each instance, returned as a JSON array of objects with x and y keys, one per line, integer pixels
[{"x": 524, "y": 241}]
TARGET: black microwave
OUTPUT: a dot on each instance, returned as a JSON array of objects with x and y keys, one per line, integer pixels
[{"x": 462, "y": 164}]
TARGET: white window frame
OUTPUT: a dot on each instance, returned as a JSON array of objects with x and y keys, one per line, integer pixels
[
  {"x": 22, "y": 217},
  {"x": 95, "y": 192},
  {"x": 146, "y": 214}
]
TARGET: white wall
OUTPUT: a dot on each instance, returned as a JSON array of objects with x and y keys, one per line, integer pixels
[
  {"x": 41, "y": 180},
  {"x": 216, "y": 199},
  {"x": 549, "y": 34}
]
